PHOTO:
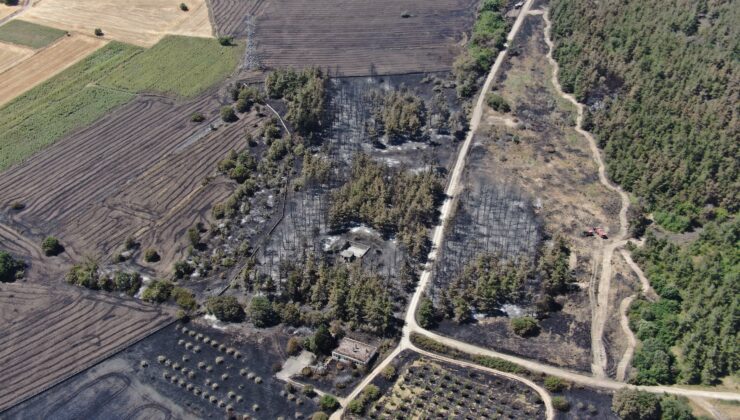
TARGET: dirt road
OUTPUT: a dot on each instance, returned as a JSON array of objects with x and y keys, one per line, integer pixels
[
  {"x": 26, "y": 6},
  {"x": 453, "y": 187}
]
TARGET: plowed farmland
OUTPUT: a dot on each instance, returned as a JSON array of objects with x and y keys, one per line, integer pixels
[
  {"x": 139, "y": 171},
  {"x": 47, "y": 335},
  {"x": 11, "y": 54},
  {"x": 351, "y": 37},
  {"x": 140, "y": 22},
  {"x": 45, "y": 64}
]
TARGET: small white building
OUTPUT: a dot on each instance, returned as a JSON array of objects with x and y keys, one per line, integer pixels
[{"x": 354, "y": 252}]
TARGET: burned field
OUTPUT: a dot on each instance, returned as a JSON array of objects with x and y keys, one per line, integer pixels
[
  {"x": 426, "y": 388},
  {"x": 538, "y": 173},
  {"x": 147, "y": 180},
  {"x": 354, "y": 38},
  {"x": 184, "y": 371},
  {"x": 48, "y": 335}
]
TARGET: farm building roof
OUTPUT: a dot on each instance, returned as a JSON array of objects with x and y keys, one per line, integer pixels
[
  {"x": 355, "y": 250},
  {"x": 355, "y": 350}
]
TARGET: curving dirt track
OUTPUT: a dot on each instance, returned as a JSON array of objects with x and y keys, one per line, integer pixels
[
  {"x": 47, "y": 335},
  {"x": 139, "y": 171},
  {"x": 44, "y": 64},
  {"x": 351, "y": 37}
]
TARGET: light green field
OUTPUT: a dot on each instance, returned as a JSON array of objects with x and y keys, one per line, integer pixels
[
  {"x": 63, "y": 103},
  {"x": 29, "y": 34},
  {"x": 108, "y": 78},
  {"x": 184, "y": 66}
]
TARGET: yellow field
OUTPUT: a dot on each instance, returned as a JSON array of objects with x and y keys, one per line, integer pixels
[
  {"x": 11, "y": 55},
  {"x": 45, "y": 64},
  {"x": 6, "y": 10},
  {"x": 139, "y": 22}
]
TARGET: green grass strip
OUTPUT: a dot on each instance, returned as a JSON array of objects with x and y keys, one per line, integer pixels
[
  {"x": 29, "y": 34},
  {"x": 183, "y": 66}
]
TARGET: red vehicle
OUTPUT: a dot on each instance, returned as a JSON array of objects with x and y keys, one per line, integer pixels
[{"x": 595, "y": 231}]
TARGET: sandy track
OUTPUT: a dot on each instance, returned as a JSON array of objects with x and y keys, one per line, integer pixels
[
  {"x": 139, "y": 22},
  {"x": 57, "y": 332},
  {"x": 44, "y": 64},
  {"x": 600, "y": 296}
]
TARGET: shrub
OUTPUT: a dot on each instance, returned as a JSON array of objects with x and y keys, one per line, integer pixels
[
  {"x": 322, "y": 341},
  {"x": 293, "y": 347},
  {"x": 356, "y": 406},
  {"x": 197, "y": 117},
  {"x": 99, "y": 32},
  {"x": 10, "y": 268},
  {"x": 129, "y": 243},
  {"x": 17, "y": 206},
  {"x": 184, "y": 298},
  {"x": 226, "y": 40},
  {"x": 158, "y": 291},
  {"x": 328, "y": 403},
  {"x": 633, "y": 404},
  {"x": 389, "y": 373},
  {"x": 151, "y": 255},
  {"x": 126, "y": 282},
  {"x": 51, "y": 246},
  {"x": 497, "y": 103},
  {"x": 225, "y": 308},
  {"x": 184, "y": 7},
  {"x": 320, "y": 415},
  {"x": 181, "y": 269},
  {"x": 228, "y": 114},
  {"x": 554, "y": 384},
  {"x": 560, "y": 403},
  {"x": 261, "y": 313},
  {"x": 308, "y": 391},
  {"x": 524, "y": 326}
]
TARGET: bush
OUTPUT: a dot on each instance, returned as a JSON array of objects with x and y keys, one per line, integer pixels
[
  {"x": 127, "y": 282},
  {"x": 633, "y": 404},
  {"x": 426, "y": 314},
  {"x": 328, "y": 403},
  {"x": 524, "y": 326},
  {"x": 356, "y": 406},
  {"x": 225, "y": 308},
  {"x": 197, "y": 117},
  {"x": 497, "y": 103},
  {"x": 158, "y": 291},
  {"x": 389, "y": 373},
  {"x": 560, "y": 403},
  {"x": 293, "y": 347},
  {"x": 99, "y": 32},
  {"x": 322, "y": 341},
  {"x": 184, "y": 7},
  {"x": 228, "y": 114},
  {"x": 151, "y": 255},
  {"x": 261, "y": 312},
  {"x": 10, "y": 268},
  {"x": 554, "y": 384},
  {"x": 184, "y": 298},
  {"x": 320, "y": 415},
  {"x": 51, "y": 246},
  {"x": 226, "y": 40}
]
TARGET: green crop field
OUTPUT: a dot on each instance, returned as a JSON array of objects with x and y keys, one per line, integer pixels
[
  {"x": 29, "y": 34},
  {"x": 63, "y": 103},
  {"x": 184, "y": 66}
]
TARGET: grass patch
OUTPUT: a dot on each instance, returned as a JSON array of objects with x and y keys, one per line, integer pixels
[
  {"x": 29, "y": 34},
  {"x": 60, "y": 105},
  {"x": 185, "y": 66}
]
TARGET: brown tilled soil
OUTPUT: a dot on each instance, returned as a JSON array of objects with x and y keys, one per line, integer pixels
[
  {"x": 140, "y": 171},
  {"x": 48, "y": 334},
  {"x": 351, "y": 37}
]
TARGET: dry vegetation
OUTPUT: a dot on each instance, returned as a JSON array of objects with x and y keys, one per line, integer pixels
[
  {"x": 139, "y": 22},
  {"x": 47, "y": 335},
  {"x": 11, "y": 54}
]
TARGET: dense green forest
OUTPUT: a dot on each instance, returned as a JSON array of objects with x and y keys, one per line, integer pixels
[
  {"x": 662, "y": 79},
  {"x": 697, "y": 315}
]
